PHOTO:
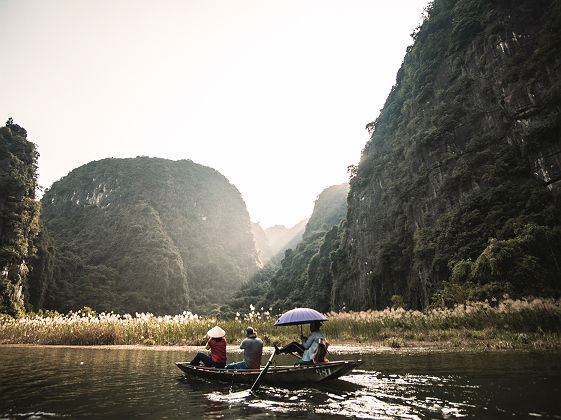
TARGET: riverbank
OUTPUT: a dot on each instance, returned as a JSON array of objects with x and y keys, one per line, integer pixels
[
  {"x": 339, "y": 349},
  {"x": 525, "y": 324}
]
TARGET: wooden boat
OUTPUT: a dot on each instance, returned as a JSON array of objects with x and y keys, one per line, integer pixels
[{"x": 276, "y": 375}]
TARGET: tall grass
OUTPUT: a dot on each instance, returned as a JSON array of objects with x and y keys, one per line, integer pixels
[{"x": 504, "y": 324}]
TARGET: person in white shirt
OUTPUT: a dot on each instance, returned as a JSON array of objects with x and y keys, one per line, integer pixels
[{"x": 307, "y": 350}]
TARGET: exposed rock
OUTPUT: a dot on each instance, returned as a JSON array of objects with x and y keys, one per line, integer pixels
[
  {"x": 467, "y": 147},
  {"x": 147, "y": 234}
]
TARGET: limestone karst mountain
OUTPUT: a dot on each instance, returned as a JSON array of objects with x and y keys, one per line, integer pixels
[
  {"x": 19, "y": 214},
  {"x": 273, "y": 241},
  {"x": 146, "y": 234},
  {"x": 301, "y": 277},
  {"x": 456, "y": 195}
]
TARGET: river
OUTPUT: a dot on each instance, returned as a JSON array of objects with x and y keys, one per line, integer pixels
[{"x": 118, "y": 383}]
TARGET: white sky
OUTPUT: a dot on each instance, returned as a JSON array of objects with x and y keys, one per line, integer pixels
[{"x": 274, "y": 94}]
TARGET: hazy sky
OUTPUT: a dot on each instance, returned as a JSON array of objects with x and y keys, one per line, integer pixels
[{"x": 274, "y": 94}]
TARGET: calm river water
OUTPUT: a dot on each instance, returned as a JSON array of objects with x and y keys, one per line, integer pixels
[{"x": 50, "y": 382}]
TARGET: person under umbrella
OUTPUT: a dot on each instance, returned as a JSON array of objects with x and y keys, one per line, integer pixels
[
  {"x": 217, "y": 346},
  {"x": 313, "y": 348}
]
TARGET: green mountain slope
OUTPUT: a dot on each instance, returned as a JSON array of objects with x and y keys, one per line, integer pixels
[
  {"x": 19, "y": 214},
  {"x": 302, "y": 278},
  {"x": 457, "y": 192},
  {"x": 146, "y": 234}
]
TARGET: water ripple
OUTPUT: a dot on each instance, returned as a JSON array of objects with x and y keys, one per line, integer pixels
[
  {"x": 368, "y": 395},
  {"x": 44, "y": 383}
]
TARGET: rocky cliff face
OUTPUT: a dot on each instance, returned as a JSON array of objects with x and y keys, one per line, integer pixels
[
  {"x": 261, "y": 243},
  {"x": 305, "y": 266},
  {"x": 19, "y": 214},
  {"x": 329, "y": 209},
  {"x": 467, "y": 148},
  {"x": 147, "y": 234}
]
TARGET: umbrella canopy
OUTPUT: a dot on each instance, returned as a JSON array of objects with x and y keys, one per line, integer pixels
[
  {"x": 216, "y": 332},
  {"x": 300, "y": 316}
]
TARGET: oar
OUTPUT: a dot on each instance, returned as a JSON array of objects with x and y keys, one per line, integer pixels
[{"x": 262, "y": 373}]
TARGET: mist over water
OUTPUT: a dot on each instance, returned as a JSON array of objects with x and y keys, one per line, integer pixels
[{"x": 46, "y": 382}]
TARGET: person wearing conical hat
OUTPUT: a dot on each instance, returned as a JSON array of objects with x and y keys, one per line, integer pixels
[{"x": 217, "y": 346}]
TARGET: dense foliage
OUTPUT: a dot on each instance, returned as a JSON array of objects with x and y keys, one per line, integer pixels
[
  {"x": 302, "y": 278},
  {"x": 19, "y": 213},
  {"x": 507, "y": 324},
  {"x": 456, "y": 195},
  {"x": 143, "y": 234}
]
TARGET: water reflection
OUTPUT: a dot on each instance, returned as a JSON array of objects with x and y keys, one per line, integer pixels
[
  {"x": 362, "y": 395},
  {"x": 44, "y": 382},
  {"x": 494, "y": 385}
]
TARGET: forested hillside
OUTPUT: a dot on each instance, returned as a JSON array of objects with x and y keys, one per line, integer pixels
[
  {"x": 302, "y": 278},
  {"x": 456, "y": 195},
  {"x": 19, "y": 214},
  {"x": 144, "y": 234}
]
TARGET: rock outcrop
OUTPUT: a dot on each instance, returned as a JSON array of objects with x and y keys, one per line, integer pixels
[
  {"x": 19, "y": 215},
  {"x": 467, "y": 149}
]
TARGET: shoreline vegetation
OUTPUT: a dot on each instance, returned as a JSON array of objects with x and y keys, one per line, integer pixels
[{"x": 508, "y": 324}]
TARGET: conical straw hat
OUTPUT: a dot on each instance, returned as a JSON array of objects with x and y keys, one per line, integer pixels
[{"x": 216, "y": 332}]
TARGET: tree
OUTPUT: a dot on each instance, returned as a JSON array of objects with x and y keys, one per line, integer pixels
[{"x": 19, "y": 214}]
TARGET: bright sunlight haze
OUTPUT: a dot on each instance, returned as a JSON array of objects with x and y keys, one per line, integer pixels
[{"x": 273, "y": 94}]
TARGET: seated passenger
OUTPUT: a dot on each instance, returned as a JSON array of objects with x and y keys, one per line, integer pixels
[
  {"x": 252, "y": 352},
  {"x": 217, "y": 346},
  {"x": 313, "y": 348}
]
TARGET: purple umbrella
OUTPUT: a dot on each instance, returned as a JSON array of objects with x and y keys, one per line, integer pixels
[{"x": 300, "y": 316}]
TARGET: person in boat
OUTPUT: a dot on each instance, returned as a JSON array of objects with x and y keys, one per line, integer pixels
[
  {"x": 313, "y": 348},
  {"x": 252, "y": 352},
  {"x": 217, "y": 346}
]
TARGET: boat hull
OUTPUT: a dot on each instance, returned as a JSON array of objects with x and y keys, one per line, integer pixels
[{"x": 276, "y": 375}]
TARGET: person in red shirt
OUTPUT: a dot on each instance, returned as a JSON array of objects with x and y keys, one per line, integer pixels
[{"x": 217, "y": 346}]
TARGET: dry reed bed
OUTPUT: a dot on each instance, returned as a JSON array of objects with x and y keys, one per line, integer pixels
[{"x": 523, "y": 323}]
